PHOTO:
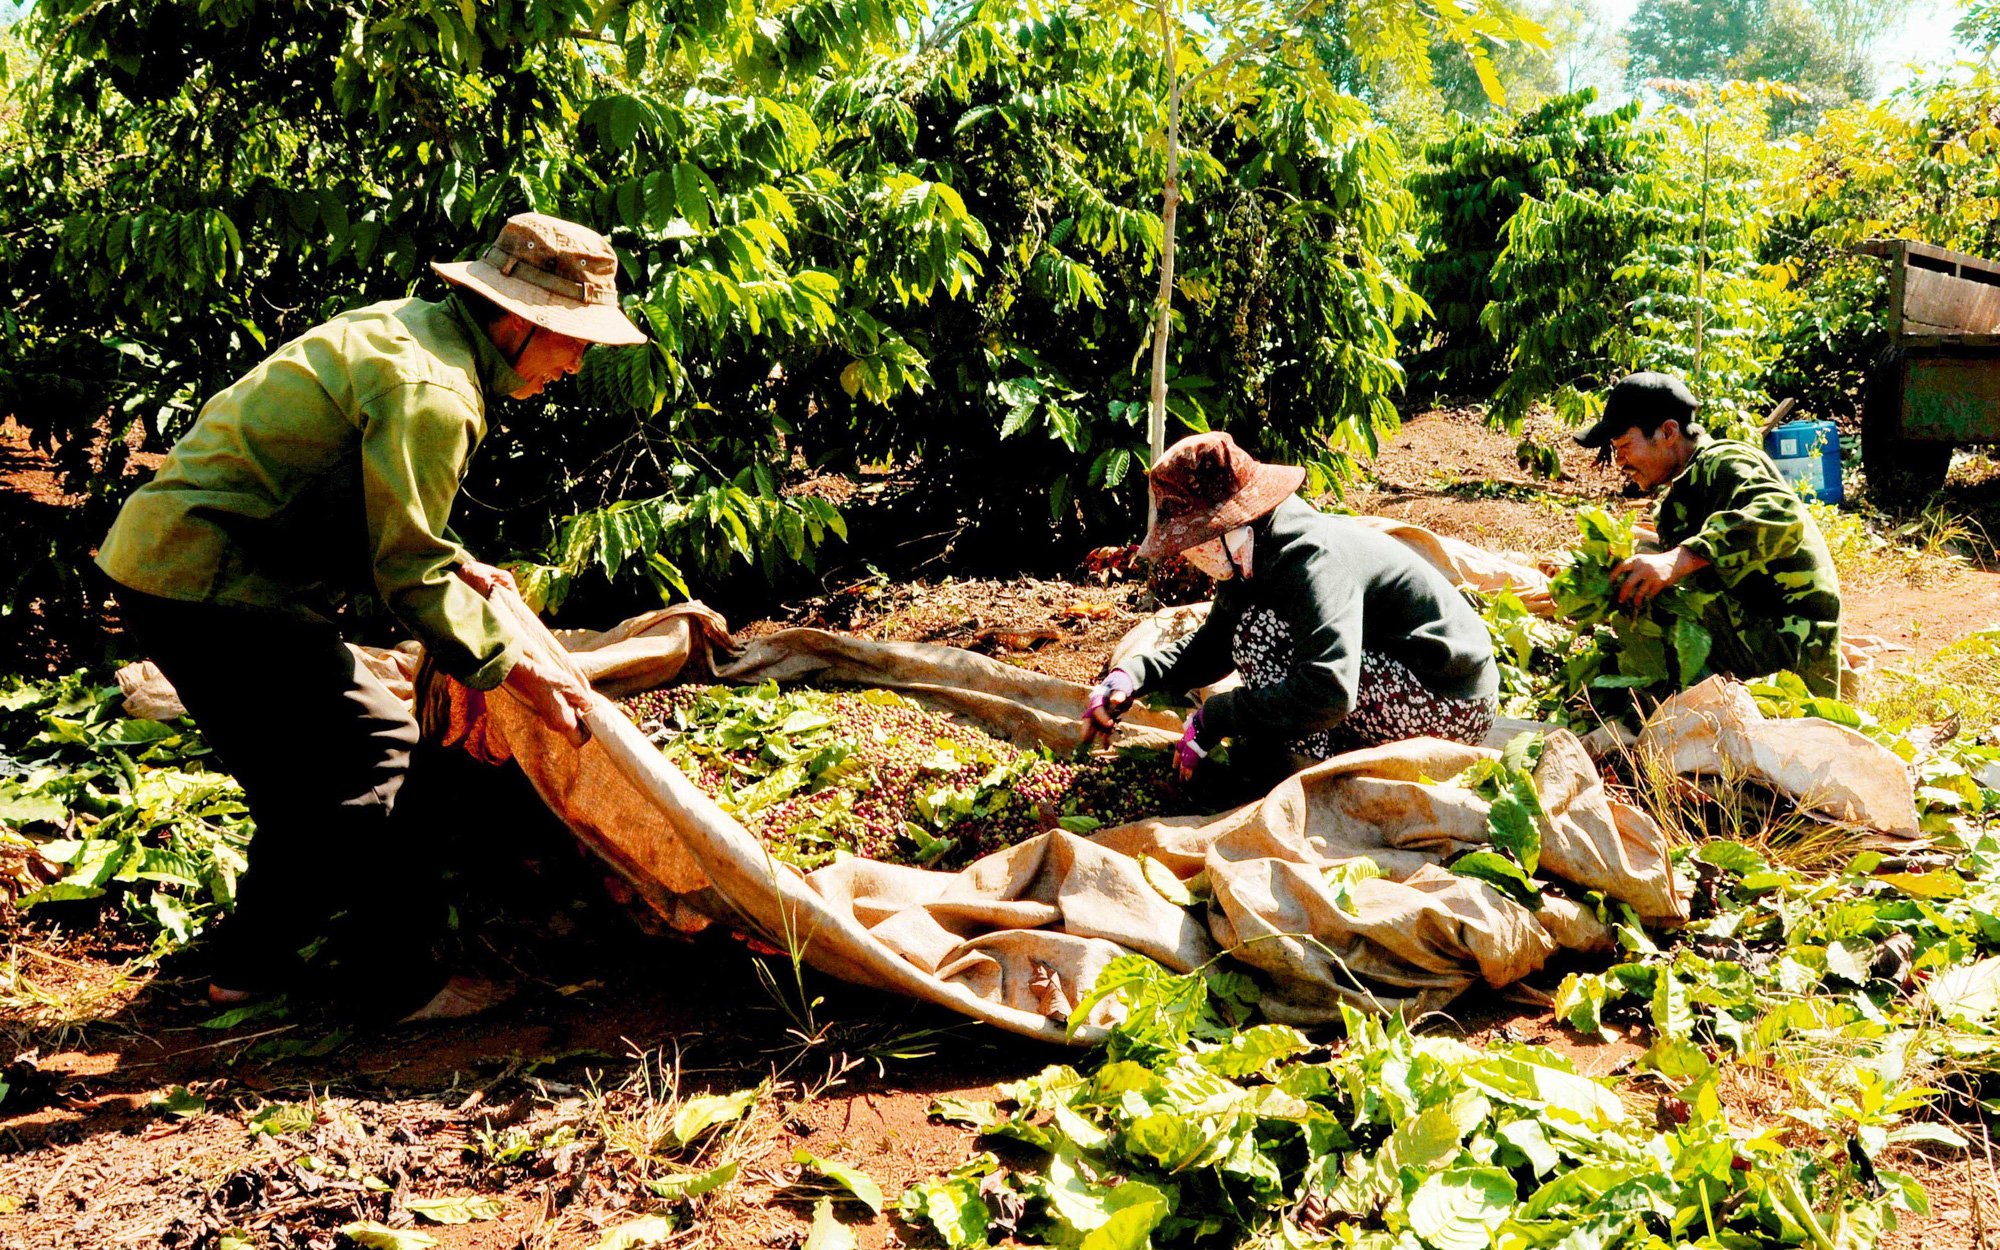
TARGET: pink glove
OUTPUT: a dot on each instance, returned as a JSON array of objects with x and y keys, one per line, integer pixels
[
  {"x": 1108, "y": 701},
  {"x": 1189, "y": 751}
]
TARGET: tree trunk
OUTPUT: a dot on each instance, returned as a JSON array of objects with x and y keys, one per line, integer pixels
[{"x": 1170, "y": 199}]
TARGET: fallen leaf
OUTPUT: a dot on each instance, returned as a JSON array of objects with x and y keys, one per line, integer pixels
[
  {"x": 374, "y": 1236},
  {"x": 827, "y": 1232},
  {"x": 647, "y": 1230},
  {"x": 467, "y": 1209},
  {"x": 1015, "y": 639},
  {"x": 180, "y": 1102},
  {"x": 852, "y": 1179},
  {"x": 703, "y": 1112},
  {"x": 1087, "y": 610}
]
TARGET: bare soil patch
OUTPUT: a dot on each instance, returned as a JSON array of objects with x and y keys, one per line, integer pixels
[{"x": 1448, "y": 471}]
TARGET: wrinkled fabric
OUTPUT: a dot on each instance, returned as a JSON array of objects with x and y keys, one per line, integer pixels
[
  {"x": 1830, "y": 772},
  {"x": 1017, "y": 938}
]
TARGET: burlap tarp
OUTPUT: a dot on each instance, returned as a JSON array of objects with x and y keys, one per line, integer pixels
[
  {"x": 1016, "y": 938},
  {"x": 1829, "y": 772}
]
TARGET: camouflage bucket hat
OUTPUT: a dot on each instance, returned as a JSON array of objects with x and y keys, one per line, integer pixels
[
  {"x": 555, "y": 273},
  {"x": 1206, "y": 485}
]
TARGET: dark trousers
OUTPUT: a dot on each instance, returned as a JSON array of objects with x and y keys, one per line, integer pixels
[{"x": 345, "y": 822}]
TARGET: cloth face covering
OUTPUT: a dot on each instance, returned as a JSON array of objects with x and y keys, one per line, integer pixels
[{"x": 1224, "y": 556}]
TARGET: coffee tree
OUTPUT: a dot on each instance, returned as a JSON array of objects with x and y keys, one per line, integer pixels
[
  {"x": 201, "y": 180},
  {"x": 1584, "y": 246},
  {"x": 857, "y": 231},
  {"x": 1470, "y": 186}
]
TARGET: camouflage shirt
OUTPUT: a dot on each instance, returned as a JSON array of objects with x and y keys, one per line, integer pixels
[{"x": 1780, "y": 601}]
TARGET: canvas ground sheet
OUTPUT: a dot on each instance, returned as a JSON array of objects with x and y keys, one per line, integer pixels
[{"x": 1016, "y": 939}]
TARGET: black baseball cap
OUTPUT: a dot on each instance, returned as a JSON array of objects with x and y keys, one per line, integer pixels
[{"x": 1642, "y": 399}]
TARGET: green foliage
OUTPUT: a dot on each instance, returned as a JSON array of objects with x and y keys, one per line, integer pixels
[
  {"x": 853, "y": 233},
  {"x": 1979, "y": 25},
  {"x": 201, "y": 181},
  {"x": 1648, "y": 653},
  {"x": 1290, "y": 240},
  {"x": 123, "y": 809},
  {"x": 1915, "y": 166},
  {"x": 1187, "y": 1135},
  {"x": 818, "y": 774},
  {"x": 1515, "y": 819},
  {"x": 1786, "y": 970},
  {"x": 1472, "y": 184},
  {"x": 1720, "y": 41},
  {"x": 1658, "y": 270}
]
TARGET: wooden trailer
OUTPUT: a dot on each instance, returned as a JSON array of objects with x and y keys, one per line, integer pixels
[{"x": 1938, "y": 384}]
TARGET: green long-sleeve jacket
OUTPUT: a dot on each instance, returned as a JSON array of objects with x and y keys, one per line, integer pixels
[
  {"x": 1780, "y": 606},
  {"x": 330, "y": 469}
]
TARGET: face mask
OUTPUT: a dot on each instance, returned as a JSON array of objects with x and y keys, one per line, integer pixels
[{"x": 1223, "y": 557}]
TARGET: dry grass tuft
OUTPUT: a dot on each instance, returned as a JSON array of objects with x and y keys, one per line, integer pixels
[
  {"x": 1872, "y": 551},
  {"x": 1733, "y": 808},
  {"x": 1961, "y": 680},
  {"x": 49, "y": 1002}
]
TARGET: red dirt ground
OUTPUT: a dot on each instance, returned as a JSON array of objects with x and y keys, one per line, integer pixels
[{"x": 90, "y": 1163}]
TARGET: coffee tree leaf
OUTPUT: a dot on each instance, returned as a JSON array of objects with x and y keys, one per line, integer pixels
[
  {"x": 693, "y": 1184},
  {"x": 951, "y": 1206},
  {"x": 827, "y": 1232},
  {"x": 637, "y": 1234},
  {"x": 286, "y": 1117},
  {"x": 703, "y": 1112},
  {"x": 376, "y": 1236},
  {"x": 1460, "y": 1208},
  {"x": 847, "y": 1176},
  {"x": 179, "y": 1102},
  {"x": 466, "y": 1209}
]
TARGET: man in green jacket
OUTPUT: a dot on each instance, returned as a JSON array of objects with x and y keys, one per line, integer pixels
[
  {"x": 1729, "y": 521},
  {"x": 328, "y": 470}
]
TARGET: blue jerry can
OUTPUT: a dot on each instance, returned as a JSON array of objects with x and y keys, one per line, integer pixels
[{"x": 1807, "y": 454}]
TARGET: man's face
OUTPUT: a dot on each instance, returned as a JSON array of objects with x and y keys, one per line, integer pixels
[
  {"x": 545, "y": 357},
  {"x": 1650, "y": 460}
]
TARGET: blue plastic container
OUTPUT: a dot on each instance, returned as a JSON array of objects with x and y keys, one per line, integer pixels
[{"x": 1807, "y": 454}]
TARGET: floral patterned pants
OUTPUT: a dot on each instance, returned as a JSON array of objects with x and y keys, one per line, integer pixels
[{"x": 1391, "y": 703}]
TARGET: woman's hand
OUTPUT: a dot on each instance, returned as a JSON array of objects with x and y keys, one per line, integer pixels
[
  {"x": 485, "y": 578},
  {"x": 1111, "y": 699},
  {"x": 1189, "y": 752},
  {"x": 555, "y": 694}
]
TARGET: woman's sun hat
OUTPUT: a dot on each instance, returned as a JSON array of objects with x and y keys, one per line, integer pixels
[
  {"x": 555, "y": 273},
  {"x": 1205, "y": 485}
]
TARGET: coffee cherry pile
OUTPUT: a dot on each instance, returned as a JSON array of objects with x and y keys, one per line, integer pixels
[{"x": 821, "y": 773}]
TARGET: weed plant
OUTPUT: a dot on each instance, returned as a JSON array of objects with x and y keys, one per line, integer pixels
[
  {"x": 1199, "y": 1129},
  {"x": 1960, "y": 682},
  {"x": 1871, "y": 550},
  {"x": 126, "y": 810}
]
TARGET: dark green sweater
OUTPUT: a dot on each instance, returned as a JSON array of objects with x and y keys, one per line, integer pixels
[{"x": 1343, "y": 589}]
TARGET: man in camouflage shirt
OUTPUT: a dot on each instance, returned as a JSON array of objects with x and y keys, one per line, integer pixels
[{"x": 1732, "y": 523}]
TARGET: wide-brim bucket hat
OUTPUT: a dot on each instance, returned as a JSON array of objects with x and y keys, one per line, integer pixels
[
  {"x": 554, "y": 273},
  {"x": 1205, "y": 485}
]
